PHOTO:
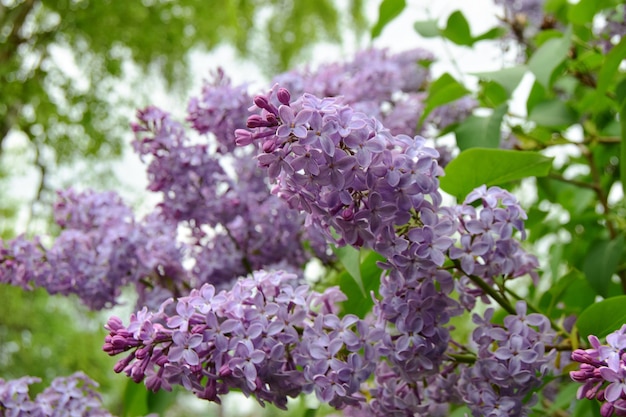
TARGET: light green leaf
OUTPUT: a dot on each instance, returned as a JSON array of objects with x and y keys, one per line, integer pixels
[
  {"x": 135, "y": 399},
  {"x": 610, "y": 66},
  {"x": 602, "y": 318},
  {"x": 601, "y": 263},
  {"x": 427, "y": 28},
  {"x": 477, "y": 166},
  {"x": 493, "y": 33},
  {"x": 509, "y": 78},
  {"x": 552, "y": 113},
  {"x": 350, "y": 258},
  {"x": 583, "y": 12},
  {"x": 481, "y": 132},
  {"x": 442, "y": 91},
  {"x": 359, "y": 300},
  {"x": 388, "y": 10},
  {"x": 458, "y": 30},
  {"x": 622, "y": 117},
  {"x": 549, "y": 56}
]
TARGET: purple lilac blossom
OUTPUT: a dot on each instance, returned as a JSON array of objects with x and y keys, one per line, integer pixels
[
  {"x": 220, "y": 109},
  {"x": 487, "y": 245},
  {"x": 359, "y": 194},
  {"x": 602, "y": 372},
  {"x": 511, "y": 363},
  {"x": 100, "y": 249},
  {"x": 267, "y": 336},
  {"x": 75, "y": 395}
]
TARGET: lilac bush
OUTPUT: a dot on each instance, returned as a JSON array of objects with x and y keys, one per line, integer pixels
[{"x": 341, "y": 169}]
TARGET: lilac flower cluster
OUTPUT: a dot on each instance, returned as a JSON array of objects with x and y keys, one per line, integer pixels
[
  {"x": 236, "y": 225},
  {"x": 220, "y": 110},
  {"x": 75, "y": 395},
  {"x": 603, "y": 372},
  {"x": 362, "y": 186},
  {"x": 510, "y": 364},
  {"x": 100, "y": 249},
  {"x": 266, "y": 337},
  {"x": 389, "y": 87},
  {"x": 487, "y": 245}
]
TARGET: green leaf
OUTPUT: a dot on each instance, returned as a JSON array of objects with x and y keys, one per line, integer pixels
[
  {"x": 602, "y": 318},
  {"x": 442, "y": 91},
  {"x": 610, "y": 66},
  {"x": 493, "y": 33},
  {"x": 492, "y": 94},
  {"x": 427, "y": 28},
  {"x": 359, "y": 300},
  {"x": 458, "y": 30},
  {"x": 350, "y": 258},
  {"x": 477, "y": 166},
  {"x": 549, "y": 56},
  {"x": 481, "y": 132},
  {"x": 572, "y": 291},
  {"x": 310, "y": 412},
  {"x": 552, "y": 113},
  {"x": 602, "y": 262},
  {"x": 622, "y": 117},
  {"x": 583, "y": 12},
  {"x": 509, "y": 78},
  {"x": 135, "y": 400},
  {"x": 388, "y": 10}
]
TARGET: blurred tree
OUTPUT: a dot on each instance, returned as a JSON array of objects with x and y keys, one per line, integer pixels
[{"x": 63, "y": 116}]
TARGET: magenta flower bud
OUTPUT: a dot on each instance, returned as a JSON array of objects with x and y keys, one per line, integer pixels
[
  {"x": 243, "y": 137},
  {"x": 269, "y": 146},
  {"x": 271, "y": 119},
  {"x": 283, "y": 96},
  {"x": 255, "y": 121}
]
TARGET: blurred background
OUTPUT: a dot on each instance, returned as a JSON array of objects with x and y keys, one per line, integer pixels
[{"x": 73, "y": 73}]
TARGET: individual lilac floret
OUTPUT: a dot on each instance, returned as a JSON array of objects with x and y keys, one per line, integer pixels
[
  {"x": 603, "y": 372},
  {"x": 75, "y": 395},
  {"x": 511, "y": 363},
  {"x": 268, "y": 337}
]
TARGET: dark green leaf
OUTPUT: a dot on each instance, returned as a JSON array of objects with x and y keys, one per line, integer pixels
[
  {"x": 457, "y": 29},
  {"x": 602, "y": 318},
  {"x": 310, "y": 412},
  {"x": 553, "y": 113},
  {"x": 477, "y": 166},
  {"x": 601, "y": 263},
  {"x": 481, "y": 132},
  {"x": 509, "y": 78},
  {"x": 427, "y": 28},
  {"x": 549, "y": 56},
  {"x": 388, "y": 10},
  {"x": 572, "y": 292}
]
